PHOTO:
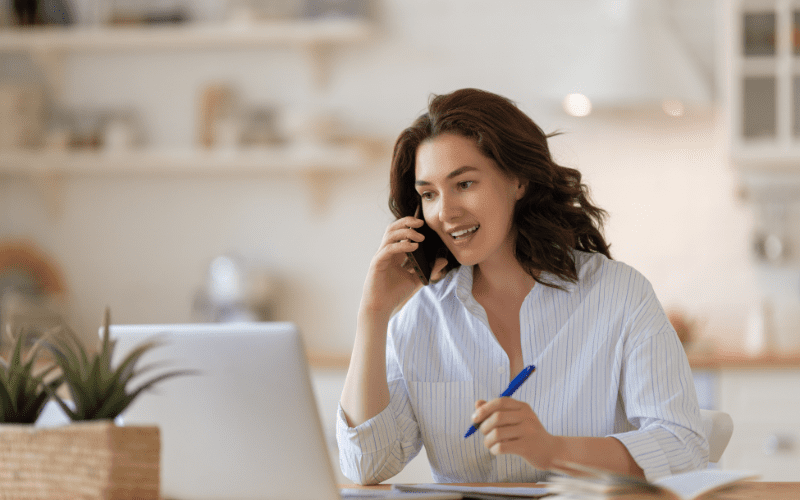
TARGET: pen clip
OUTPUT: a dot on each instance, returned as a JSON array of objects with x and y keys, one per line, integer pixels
[{"x": 518, "y": 380}]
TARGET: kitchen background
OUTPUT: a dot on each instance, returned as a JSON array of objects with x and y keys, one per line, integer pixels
[{"x": 237, "y": 168}]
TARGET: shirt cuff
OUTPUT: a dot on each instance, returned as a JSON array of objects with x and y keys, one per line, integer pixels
[
  {"x": 646, "y": 452},
  {"x": 376, "y": 434}
]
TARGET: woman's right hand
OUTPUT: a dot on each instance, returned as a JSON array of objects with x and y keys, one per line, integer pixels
[{"x": 391, "y": 279}]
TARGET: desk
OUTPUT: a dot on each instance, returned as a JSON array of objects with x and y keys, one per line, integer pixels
[
  {"x": 772, "y": 491},
  {"x": 747, "y": 490}
]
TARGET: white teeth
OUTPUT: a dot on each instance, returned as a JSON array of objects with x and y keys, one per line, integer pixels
[{"x": 459, "y": 234}]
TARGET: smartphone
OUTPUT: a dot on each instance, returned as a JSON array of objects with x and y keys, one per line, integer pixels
[{"x": 424, "y": 257}]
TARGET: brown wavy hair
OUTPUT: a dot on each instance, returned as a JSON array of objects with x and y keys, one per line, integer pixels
[{"x": 554, "y": 216}]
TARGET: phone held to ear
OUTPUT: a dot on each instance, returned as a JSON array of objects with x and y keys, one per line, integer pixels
[{"x": 424, "y": 257}]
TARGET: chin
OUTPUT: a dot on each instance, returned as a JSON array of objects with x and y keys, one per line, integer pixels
[{"x": 466, "y": 260}]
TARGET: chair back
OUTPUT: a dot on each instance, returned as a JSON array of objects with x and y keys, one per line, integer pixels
[{"x": 719, "y": 428}]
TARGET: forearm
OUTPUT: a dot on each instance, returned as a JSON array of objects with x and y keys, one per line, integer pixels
[
  {"x": 602, "y": 452},
  {"x": 366, "y": 391}
]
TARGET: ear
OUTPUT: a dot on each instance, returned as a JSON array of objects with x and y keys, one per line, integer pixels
[{"x": 522, "y": 187}]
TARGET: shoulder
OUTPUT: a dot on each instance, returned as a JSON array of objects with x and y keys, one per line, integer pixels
[
  {"x": 625, "y": 294},
  {"x": 611, "y": 278},
  {"x": 598, "y": 267}
]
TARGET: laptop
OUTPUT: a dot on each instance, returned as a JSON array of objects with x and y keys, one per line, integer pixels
[{"x": 246, "y": 426}]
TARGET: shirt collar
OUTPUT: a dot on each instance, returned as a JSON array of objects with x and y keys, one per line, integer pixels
[{"x": 463, "y": 282}]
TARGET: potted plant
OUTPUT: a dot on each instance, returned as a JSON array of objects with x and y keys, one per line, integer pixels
[
  {"x": 92, "y": 457},
  {"x": 23, "y": 390}
]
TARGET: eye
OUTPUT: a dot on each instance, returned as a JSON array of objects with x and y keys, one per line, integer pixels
[
  {"x": 427, "y": 196},
  {"x": 465, "y": 184}
]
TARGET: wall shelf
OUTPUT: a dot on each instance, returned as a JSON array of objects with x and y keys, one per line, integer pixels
[
  {"x": 47, "y": 45},
  {"x": 48, "y": 170},
  {"x": 315, "y": 38},
  {"x": 318, "y": 159},
  {"x": 185, "y": 36}
]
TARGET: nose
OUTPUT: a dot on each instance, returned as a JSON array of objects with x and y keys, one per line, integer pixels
[{"x": 449, "y": 208}]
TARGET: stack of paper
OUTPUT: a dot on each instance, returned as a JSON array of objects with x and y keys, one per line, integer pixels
[
  {"x": 579, "y": 482},
  {"x": 485, "y": 492}
]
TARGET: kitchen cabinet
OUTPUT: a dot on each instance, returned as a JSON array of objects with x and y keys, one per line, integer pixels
[
  {"x": 762, "y": 395},
  {"x": 765, "y": 407},
  {"x": 761, "y": 76}
]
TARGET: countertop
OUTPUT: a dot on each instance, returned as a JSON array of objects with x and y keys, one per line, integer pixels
[
  {"x": 715, "y": 360},
  {"x": 705, "y": 360}
]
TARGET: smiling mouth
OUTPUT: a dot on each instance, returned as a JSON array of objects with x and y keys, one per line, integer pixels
[{"x": 463, "y": 234}]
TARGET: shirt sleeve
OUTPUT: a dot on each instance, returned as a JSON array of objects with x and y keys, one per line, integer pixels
[
  {"x": 379, "y": 448},
  {"x": 659, "y": 396}
]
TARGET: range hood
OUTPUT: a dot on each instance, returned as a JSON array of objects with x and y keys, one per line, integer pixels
[{"x": 639, "y": 54}]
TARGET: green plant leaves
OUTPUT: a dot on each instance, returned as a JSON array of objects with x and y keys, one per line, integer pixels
[
  {"x": 23, "y": 390},
  {"x": 99, "y": 391}
]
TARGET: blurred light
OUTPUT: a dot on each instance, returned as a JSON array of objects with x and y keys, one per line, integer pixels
[
  {"x": 577, "y": 105},
  {"x": 673, "y": 108}
]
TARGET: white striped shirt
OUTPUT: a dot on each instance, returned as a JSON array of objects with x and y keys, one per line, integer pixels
[{"x": 608, "y": 363}]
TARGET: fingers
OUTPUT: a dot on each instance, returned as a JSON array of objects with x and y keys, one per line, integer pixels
[
  {"x": 511, "y": 426},
  {"x": 390, "y": 280},
  {"x": 501, "y": 418},
  {"x": 406, "y": 222},
  {"x": 403, "y": 230},
  {"x": 500, "y": 421},
  {"x": 507, "y": 442},
  {"x": 400, "y": 237},
  {"x": 484, "y": 410}
]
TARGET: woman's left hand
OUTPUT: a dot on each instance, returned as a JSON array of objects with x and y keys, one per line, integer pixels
[{"x": 511, "y": 426}]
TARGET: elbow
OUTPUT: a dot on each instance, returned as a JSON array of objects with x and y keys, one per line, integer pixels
[
  {"x": 358, "y": 477},
  {"x": 364, "y": 481},
  {"x": 358, "y": 473}
]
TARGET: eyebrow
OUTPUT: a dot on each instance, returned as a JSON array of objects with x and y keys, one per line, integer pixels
[{"x": 454, "y": 173}]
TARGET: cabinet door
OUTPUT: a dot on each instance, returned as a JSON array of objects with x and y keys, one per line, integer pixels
[
  {"x": 796, "y": 105},
  {"x": 761, "y": 57},
  {"x": 765, "y": 407},
  {"x": 759, "y": 106}
]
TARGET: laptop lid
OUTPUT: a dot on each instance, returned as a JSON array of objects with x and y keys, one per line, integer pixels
[{"x": 247, "y": 426}]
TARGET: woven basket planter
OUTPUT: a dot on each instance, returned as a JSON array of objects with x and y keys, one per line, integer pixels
[{"x": 83, "y": 460}]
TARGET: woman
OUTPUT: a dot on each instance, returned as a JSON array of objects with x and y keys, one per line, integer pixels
[{"x": 529, "y": 280}]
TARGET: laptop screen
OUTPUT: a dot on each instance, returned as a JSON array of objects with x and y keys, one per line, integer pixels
[{"x": 246, "y": 426}]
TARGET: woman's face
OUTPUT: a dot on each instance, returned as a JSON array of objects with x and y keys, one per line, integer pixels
[{"x": 466, "y": 199}]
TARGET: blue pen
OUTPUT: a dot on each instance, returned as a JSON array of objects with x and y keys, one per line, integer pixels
[{"x": 512, "y": 388}]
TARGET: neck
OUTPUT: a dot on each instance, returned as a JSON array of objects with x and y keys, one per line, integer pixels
[{"x": 504, "y": 276}]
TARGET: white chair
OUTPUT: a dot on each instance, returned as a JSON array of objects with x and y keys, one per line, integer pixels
[{"x": 719, "y": 427}]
